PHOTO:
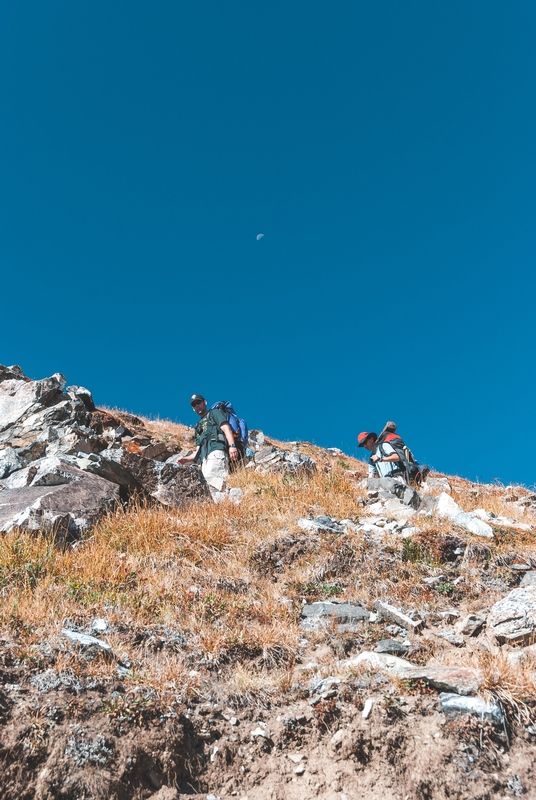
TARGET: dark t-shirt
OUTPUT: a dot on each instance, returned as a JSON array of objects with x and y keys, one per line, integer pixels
[{"x": 208, "y": 433}]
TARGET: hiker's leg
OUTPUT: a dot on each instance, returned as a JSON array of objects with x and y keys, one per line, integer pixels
[{"x": 215, "y": 469}]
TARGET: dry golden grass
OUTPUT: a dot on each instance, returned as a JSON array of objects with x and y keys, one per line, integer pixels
[{"x": 228, "y": 580}]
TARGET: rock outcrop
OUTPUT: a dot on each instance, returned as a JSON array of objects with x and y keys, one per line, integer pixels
[
  {"x": 513, "y": 619},
  {"x": 64, "y": 463}
]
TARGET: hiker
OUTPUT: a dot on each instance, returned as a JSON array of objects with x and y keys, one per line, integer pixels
[
  {"x": 215, "y": 444},
  {"x": 391, "y": 457},
  {"x": 384, "y": 461}
]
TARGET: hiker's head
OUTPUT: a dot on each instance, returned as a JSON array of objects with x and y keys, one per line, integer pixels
[
  {"x": 198, "y": 403},
  {"x": 367, "y": 439}
]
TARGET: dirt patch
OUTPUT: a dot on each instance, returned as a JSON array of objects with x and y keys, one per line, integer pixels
[
  {"x": 274, "y": 556},
  {"x": 64, "y": 737}
]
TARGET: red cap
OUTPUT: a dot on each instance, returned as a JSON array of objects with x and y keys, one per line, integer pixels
[{"x": 363, "y": 436}]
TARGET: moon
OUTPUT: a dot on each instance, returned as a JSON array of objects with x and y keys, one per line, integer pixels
[{"x": 260, "y": 236}]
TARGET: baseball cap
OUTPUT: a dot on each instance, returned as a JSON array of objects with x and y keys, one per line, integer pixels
[
  {"x": 195, "y": 398},
  {"x": 363, "y": 436}
]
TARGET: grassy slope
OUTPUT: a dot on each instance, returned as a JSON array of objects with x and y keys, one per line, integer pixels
[{"x": 228, "y": 582}]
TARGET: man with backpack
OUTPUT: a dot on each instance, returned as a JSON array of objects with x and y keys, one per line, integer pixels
[
  {"x": 215, "y": 444},
  {"x": 384, "y": 461},
  {"x": 391, "y": 457}
]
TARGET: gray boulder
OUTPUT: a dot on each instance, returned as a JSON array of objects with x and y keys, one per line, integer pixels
[
  {"x": 272, "y": 459},
  {"x": 513, "y": 619},
  {"x": 69, "y": 508},
  {"x": 387, "y": 488},
  {"x": 64, "y": 463}
]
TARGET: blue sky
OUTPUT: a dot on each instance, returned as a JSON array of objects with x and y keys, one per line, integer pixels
[{"x": 386, "y": 151}]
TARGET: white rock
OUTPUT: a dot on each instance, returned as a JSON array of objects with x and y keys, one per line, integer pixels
[
  {"x": 448, "y": 508},
  {"x": 367, "y": 708},
  {"x": 296, "y": 757},
  {"x": 377, "y": 660},
  {"x": 86, "y": 641},
  {"x": 235, "y": 496},
  {"x": 99, "y": 625},
  {"x": 259, "y": 732}
]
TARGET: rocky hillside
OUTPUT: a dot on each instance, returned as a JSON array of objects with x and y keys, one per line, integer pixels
[{"x": 311, "y": 635}]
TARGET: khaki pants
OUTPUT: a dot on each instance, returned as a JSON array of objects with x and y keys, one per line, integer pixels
[{"x": 215, "y": 468}]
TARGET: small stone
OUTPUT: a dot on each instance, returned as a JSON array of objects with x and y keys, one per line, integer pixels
[
  {"x": 471, "y": 625},
  {"x": 259, "y": 732},
  {"x": 233, "y": 721},
  {"x": 296, "y": 757},
  {"x": 367, "y": 708},
  {"x": 299, "y": 770},
  {"x": 99, "y": 625}
]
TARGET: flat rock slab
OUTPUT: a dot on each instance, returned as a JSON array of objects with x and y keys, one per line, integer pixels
[
  {"x": 336, "y": 610},
  {"x": 397, "y": 616},
  {"x": 459, "y": 680},
  {"x": 392, "y": 647},
  {"x": 513, "y": 619},
  {"x": 320, "y": 615},
  {"x": 454, "y": 704},
  {"x": 86, "y": 642}
]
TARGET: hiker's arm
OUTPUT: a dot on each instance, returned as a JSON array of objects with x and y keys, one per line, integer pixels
[
  {"x": 188, "y": 459},
  {"x": 392, "y": 457},
  {"x": 227, "y": 432}
]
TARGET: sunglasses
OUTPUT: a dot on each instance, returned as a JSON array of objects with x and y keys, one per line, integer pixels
[{"x": 197, "y": 403}]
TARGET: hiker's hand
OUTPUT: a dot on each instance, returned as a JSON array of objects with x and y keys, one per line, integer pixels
[
  {"x": 184, "y": 460},
  {"x": 375, "y": 458},
  {"x": 233, "y": 452}
]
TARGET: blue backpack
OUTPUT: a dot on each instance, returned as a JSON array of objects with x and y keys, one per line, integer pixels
[{"x": 238, "y": 425}]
